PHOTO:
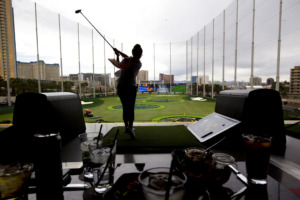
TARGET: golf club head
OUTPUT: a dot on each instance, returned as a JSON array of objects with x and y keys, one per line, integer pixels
[{"x": 77, "y": 11}]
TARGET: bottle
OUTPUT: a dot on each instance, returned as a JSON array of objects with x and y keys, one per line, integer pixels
[{"x": 48, "y": 167}]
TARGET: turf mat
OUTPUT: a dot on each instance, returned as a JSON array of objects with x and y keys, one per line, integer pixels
[{"x": 153, "y": 139}]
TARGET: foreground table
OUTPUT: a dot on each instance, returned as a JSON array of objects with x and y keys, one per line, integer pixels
[{"x": 135, "y": 163}]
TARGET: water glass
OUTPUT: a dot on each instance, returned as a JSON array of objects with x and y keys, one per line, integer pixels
[
  {"x": 85, "y": 155},
  {"x": 82, "y": 137},
  {"x": 100, "y": 154}
]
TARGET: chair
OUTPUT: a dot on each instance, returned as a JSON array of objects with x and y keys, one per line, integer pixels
[{"x": 58, "y": 112}]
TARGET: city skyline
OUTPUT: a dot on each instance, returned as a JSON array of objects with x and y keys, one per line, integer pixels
[
  {"x": 265, "y": 49},
  {"x": 143, "y": 73}
]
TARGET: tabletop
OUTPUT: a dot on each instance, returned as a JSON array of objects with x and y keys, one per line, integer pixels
[{"x": 136, "y": 163}]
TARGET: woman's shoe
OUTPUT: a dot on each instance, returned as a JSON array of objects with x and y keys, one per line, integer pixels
[
  {"x": 131, "y": 132},
  {"x": 127, "y": 130}
]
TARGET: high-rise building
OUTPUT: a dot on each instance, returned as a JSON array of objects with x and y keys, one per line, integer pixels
[
  {"x": 88, "y": 77},
  {"x": 166, "y": 79},
  {"x": 30, "y": 70},
  {"x": 194, "y": 79},
  {"x": 142, "y": 76},
  {"x": 256, "y": 81},
  {"x": 201, "y": 80},
  {"x": 295, "y": 80},
  {"x": 7, "y": 44}
]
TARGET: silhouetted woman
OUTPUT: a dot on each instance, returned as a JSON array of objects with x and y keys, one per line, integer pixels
[{"x": 127, "y": 87}]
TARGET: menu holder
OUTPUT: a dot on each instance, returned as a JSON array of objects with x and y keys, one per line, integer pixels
[{"x": 211, "y": 126}]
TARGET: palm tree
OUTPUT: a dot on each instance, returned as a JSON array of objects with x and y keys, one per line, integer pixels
[
  {"x": 31, "y": 85},
  {"x": 2, "y": 84},
  {"x": 67, "y": 86},
  {"x": 16, "y": 86}
]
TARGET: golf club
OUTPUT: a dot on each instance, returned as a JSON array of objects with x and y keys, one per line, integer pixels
[{"x": 79, "y": 11}]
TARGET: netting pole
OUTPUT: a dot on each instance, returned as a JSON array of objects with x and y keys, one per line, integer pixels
[
  {"x": 105, "y": 91},
  {"x": 223, "y": 73},
  {"x": 213, "y": 60},
  {"x": 114, "y": 69},
  {"x": 186, "y": 78},
  {"x": 236, "y": 41},
  {"x": 278, "y": 48},
  {"x": 170, "y": 67},
  {"x": 154, "y": 64},
  {"x": 204, "y": 64},
  {"x": 191, "y": 65},
  {"x": 197, "y": 83},
  {"x": 79, "y": 78},
  {"x": 37, "y": 50},
  {"x": 252, "y": 47},
  {"x": 61, "y": 63},
  {"x": 93, "y": 82}
]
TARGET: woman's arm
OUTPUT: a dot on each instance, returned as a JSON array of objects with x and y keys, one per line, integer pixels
[
  {"x": 126, "y": 62},
  {"x": 117, "y": 52}
]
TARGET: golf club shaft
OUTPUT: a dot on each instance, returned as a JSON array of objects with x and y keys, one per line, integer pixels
[{"x": 96, "y": 30}]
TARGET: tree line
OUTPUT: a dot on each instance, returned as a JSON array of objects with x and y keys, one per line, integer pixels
[
  {"x": 208, "y": 87},
  {"x": 19, "y": 86}
]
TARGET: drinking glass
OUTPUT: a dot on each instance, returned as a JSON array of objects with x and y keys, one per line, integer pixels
[
  {"x": 13, "y": 180},
  {"x": 82, "y": 137},
  {"x": 85, "y": 155},
  {"x": 99, "y": 154},
  {"x": 257, "y": 156},
  {"x": 220, "y": 171}
]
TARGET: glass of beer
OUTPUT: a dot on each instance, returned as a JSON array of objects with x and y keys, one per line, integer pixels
[{"x": 257, "y": 156}]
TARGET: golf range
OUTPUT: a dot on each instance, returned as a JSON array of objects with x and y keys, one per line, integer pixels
[{"x": 150, "y": 107}]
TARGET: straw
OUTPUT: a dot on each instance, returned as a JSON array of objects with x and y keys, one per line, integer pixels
[
  {"x": 208, "y": 148},
  {"x": 98, "y": 138},
  {"x": 109, "y": 158},
  {"x": 169, "y": 184}
]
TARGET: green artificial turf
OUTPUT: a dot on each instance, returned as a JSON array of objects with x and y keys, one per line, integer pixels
[
  {"x": 6, "y": 114},
  {"x": 179, "y": 88},
  {"x": 293, "y": 130},
  {"x": 173, "y": 105},
  {"x": 159, "y": 139},
  {"x": 184, "y": 106}
]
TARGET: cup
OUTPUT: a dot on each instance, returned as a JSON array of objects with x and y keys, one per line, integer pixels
[
  {"x": 154, "y": 182},
  {"x": 85, "y": 152},
  {"x": 13, "y": 180},
  {"x": 220, "y": 173},
  {"x": 82, "y": 137},
  {"x": 100, "y": 154},
  {"x": 194, "y": 163},
  {"x": 85, "y": 155},
  {"x": 257, "y": 156}
]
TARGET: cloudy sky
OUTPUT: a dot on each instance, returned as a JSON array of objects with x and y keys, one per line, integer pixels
[{"x": 162, "y": 27}]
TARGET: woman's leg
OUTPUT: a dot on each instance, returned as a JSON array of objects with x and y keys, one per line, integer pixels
[
  {"x": 131, "y": 105},
  {"x": 121, "y": 93},
  {"x": 127, "y": 96}
]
